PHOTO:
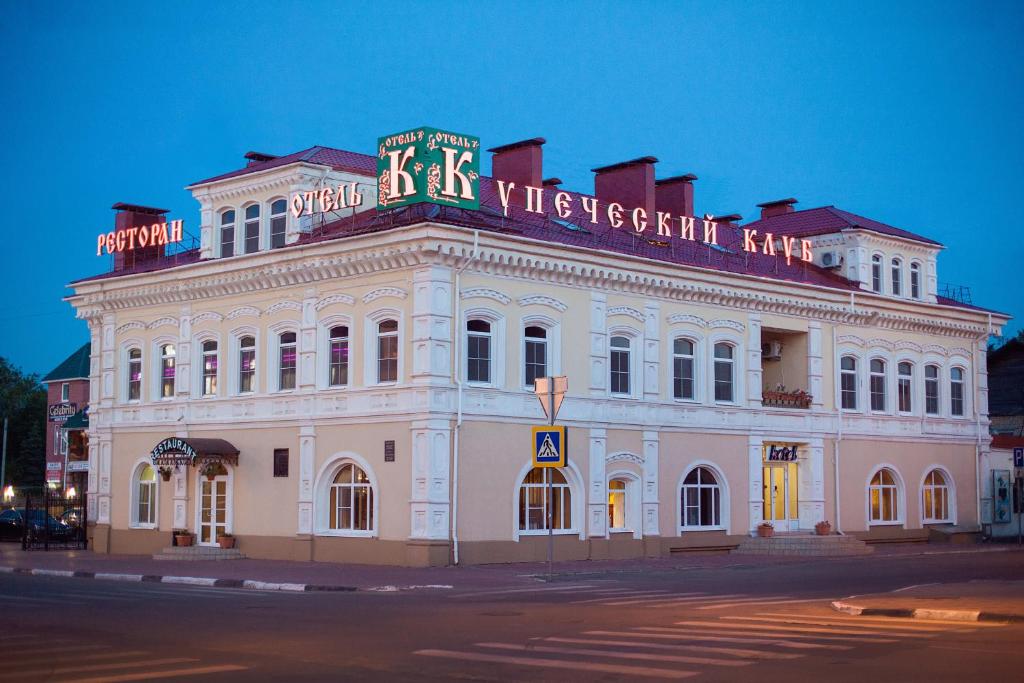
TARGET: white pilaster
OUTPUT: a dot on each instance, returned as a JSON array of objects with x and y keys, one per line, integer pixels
[
  {"x": 307, "y": 343},
  {"x": 755, "y": 509},
  {"x": 431, "y": 474},
  {"x": 207, "y": 234},
  {"x": 815, "y": 366},
  {"x": 650, "y": 485},
  {"x": 811, "y": 488},
  {"x": 754, "y": 374},
  {"x": 432, "y": 325},
  {"x": 183, "y": 360},
  {"x": 597, "y": 503},
  {"x": 598, "y": 343},
  {"x": 652, "y": 349},
  {"x": 307, "y": 453}
]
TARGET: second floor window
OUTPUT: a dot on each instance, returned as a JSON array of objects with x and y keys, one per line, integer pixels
[
  {"x": 915, "y": 280},
  {"x": 904, "y": 387},
  {"x": 619, "y": 365},
  {"x": 209, "y": 368},
  {"x": 278, "y": 223},
  {"x": 287, "y": 353},
  {"x": 338, "y": 370},
  {"x": 931, "y": 389},
  {"x": 167, "y": 371},
  {"x": 65, "y": 392},
  {"x": 252, "y": 229},
  {"x": 956, "y": 391},
  {"x": 877, "y": 384},
  {"x": 536, "y": 353},
  {"x": 848, "y": 382},
  {"x": 478, "y": 351},
  {"x": 387, "y": 351},
  {"x": 134, "y": 374},
  {"x": 876, "y": 273},
  {"x": 723, "y": 372},
  {"x": 227, "y": 233},
  {"x": 897, "y": 277},
  {"x": 246, "y": 365},
  {"x": 682, "y": 369}
]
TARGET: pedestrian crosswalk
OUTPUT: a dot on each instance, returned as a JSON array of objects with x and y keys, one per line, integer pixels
[{"x": 686, "y": 647}]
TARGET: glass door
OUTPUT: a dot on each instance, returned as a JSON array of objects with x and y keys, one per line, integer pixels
[
  {"x": 213, "y": 509},
  {"x": 780, "y": 502}
]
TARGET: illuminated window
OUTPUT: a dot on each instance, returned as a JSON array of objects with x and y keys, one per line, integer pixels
[
  {"x": 724, "y": 368},
  {"x": 883, "y": 498},
  {"x": 209, "y": 368},
  {"x": 877, "y": 384},
  {"x": 134, "y": 374},
  {"x": 897, "y": 277},
  {"x": 904, "y": 386},
  {"x": 167, "y": 371},
  {"x": 246, "y": 365},
  {"x": 936, "y": 497},
  {"x": 535, "y": 353},
  {"x": 619, "y": 365},
  {"x": 956, "y": 391},
  {"x": 351, "y": 501},
  {"x": 227, "y": 233},
  {"x": 144, "y": 494},
  {"x": 915, "y": 280},
  {"x": 533, "y": 500},
  {"x": 387, "y": 351},
  {"x": 252, "y": 229},
  {"x": 278, "y": 223},
  {"x": 338, "y": 368},
  {"x": 683, "y": 386},
  {"x": 848, "y": 382},
  {"x": 876, "y": 273},
  {"x": 478, "y": 351},
  {"x": 931, "y": 389},
  {"x": 700, "y": 500},
  {"x": 617, "y": 505},
  {"x": 287, "y": 357}
]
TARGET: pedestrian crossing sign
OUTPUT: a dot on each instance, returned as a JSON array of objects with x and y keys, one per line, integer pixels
[{"x": 549, "y": 447}]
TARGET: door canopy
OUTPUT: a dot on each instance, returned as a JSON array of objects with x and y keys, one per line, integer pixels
[{"x": 195, "y": 452}]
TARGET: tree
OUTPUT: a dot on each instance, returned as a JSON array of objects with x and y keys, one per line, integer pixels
[{"x": 23, "y": 403}]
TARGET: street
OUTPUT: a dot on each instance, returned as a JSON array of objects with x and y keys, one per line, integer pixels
[{"x": 735, "y": 622}]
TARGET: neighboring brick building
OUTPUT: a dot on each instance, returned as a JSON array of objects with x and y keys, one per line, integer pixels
[
  {"x": 1006, "y": 388},
  {"x": 67, "y": 396}
]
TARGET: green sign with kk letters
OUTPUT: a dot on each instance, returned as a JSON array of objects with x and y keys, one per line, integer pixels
[{"x": 428, "y": 165}]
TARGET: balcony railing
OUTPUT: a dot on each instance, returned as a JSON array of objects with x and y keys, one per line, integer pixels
[{"x": 786, "y": 399}]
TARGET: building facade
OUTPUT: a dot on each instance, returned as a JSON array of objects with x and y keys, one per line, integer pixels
[
  {"x": 67, "y": 392},
  {"x": 354, "y": 383}
]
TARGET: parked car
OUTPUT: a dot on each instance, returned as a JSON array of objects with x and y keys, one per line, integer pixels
[
  {"x": 72, "y": 517},
  {"x": 12, "y": 525}
]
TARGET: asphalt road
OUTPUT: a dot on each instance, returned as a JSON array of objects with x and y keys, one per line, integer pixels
[{"x": 744, "y": 622}]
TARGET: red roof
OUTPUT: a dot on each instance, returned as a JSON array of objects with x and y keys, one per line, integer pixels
[
  {"x": 328, "y": 156},
  {"x": 825, "y": 220},
  {"x": 1007, "y": 441}
]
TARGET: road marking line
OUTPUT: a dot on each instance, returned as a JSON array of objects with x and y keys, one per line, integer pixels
[
  {"x": 52, "y": 601},
  {"x": 681, "y": 597},
  {"x": 52, "y": 572},
  {"x": 726, "y": 605},
  {"x": 167, "y": 673},
  {"x": 102, "y": 667},
  {"x": 509, "y": 591},
  {"x": 735, "y": 651},
  {"x": 760, "y": 639},
  {"x": 897, "y": 620},
  {"x": 616, "y": 654},
  {"x": 33, "y": 652},
  {"x": 811, "y": 621},
  {"x": 556, "y": 664},
  {"x": 794, "y": 629},
  {"x": 627, "y": 594},
  {"x": 78, "y": 658}
]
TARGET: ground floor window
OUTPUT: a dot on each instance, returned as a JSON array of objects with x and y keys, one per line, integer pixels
[
  {"x": 145, "y": 496},
  {"x": 700, "y": 500},
  {"x": 617, "y": 504},
  {"x": 533, "y": 500},
  {"x": 350, "y": 507},
  {"x": 936, "y": 497},
  {"x": 883, "y": 499}
]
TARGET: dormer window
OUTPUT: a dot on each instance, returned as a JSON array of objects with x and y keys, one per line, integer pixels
[
  {"x": 915, "y": 280},
  {"x": 897, "y": 277},
  {"x": 278, "y": 223},
  {"x": 876, "y": 273},
  {"x": 252, "y": 229},
  {"x": 227, "y": 233}
]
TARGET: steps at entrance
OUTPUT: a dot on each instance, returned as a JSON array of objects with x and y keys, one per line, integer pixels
[
  {"x": 198, "y": 552},
  {"x": 804, "y": 544}
]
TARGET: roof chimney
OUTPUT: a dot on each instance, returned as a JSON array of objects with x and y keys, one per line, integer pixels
[
  {"x": 519, "y": 162},
  {"x": 675, "y": 195},
  {"x": 777, "y": 208},
  {"x": 728, "y": 219},
  {"x": 630, "y": 183},
  {"x": 135, "y": 216},
  {"x": 258, "y": 157},
  {"x": 552, "y": 182}
]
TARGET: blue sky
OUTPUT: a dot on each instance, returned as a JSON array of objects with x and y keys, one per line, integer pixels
[{"x": 909, "y": 113}]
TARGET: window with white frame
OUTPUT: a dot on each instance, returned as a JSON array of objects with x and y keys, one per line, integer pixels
[
  {"x": 56, "y": 439},
  {"x": 227, "y": 233},
  {"x": 904, "y": 386},
  {"x": 883, "y": 497},
  {"x": 700, "y": 502},
  {"x": 533, "y": 500},
  {"x": 62, "y": 441},
  {"x": 65, "y": 392},
  {"x": 877, "y": 384},
  {"x": 915, "y": 280},
  {"x": 350, "y": 501},
  {"x": 167, "y": 358},
  {"x": 287, "y": 357},
  {"x": 478, "y": 351},
  {"x": 897, "y": 277},
  {"x": 278, "y": 223},
  {"x": 617, "y": 504},
  {"x": 337, "y": 370},
  {"x": 134, "y": 374},
  {"x": 144, "y": 495},
  {"x": 535, "y": 353},
  {"x": 683, "y": 362},
  {"x": 209, "y": 384},
  {"x": 618, "y": 365},
  {"x": 956, "y": 391},
  {"x": 876, "y": 273},
  {"x": 931, "y": 389},
  {"x": 724, "y": 369},
  {"x": 848, "y": 382},
  {"x": 387, "y": 351},
  {"x": 935, "y": 497},
  {"x": 247, "y": 364},
  {"x": 252, "y": 229}
]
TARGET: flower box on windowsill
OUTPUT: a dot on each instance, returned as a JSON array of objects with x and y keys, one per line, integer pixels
[{"x": 786, "y": 399}]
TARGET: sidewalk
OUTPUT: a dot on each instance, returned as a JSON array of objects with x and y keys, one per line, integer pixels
[{"x": 968, "y": 601}]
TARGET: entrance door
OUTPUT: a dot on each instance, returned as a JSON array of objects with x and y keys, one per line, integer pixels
[
  {"x": 780, "y": 502},
  {"x": 213, "y": 509}
]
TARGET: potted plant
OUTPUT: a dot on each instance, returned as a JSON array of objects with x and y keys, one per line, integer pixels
[
  {"x": 213, "y": 469},
  {"x": 183, "y": 538},
  {"x": 823, "y": 528},
  {"x": 225, "y": 540},
  {"x": 165, "y": 473},
  {"x": 765, "y": 530}
]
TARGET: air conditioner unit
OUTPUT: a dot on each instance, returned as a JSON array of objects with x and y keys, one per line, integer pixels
[
  {"x": 831, "y": 259},
  {"x": 771, "y": 350}
]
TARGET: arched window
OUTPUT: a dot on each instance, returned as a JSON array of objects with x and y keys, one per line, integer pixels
[
  {"x": 682, "y": 369},
  {"x": 533, "y": 500},
  {"x": 617, "y": 504},
  {"x": 724, "y": 372},
  {"x": 167, "y": 371},
  {"x": 876, "y": 273},
  {"x": 848, "y": 382},
  {"x": 350, "y": 504},
  {"x": 877, "y": 384},
  {"x": 478, "y": 351},
  {"x": 897, "y": 277},
  {"x": 619, "y": 359},
  {"x": 535, "y": 353},
  {"x": 956, "y": 391},
  {"x": 387, "y": 351},
  {"x": 931, "y": 389},
  {"x": 915, "y": 280},
  {"x": 144, "y": 496},
  {"x": 287, "y": 358},
  {"x": 246, "y": 365},
  {"x": 134, "y": 374},
  {"x": 904, "y": 386},
  {"x": 227, "y": 233},
  {"x": 278, "y": 221},
  {"x": 700, "y": 500},
  {"x": 936, "y": 497},
  {"x": 883, "y": 497},
  {"x": 209, "y": 368},
  {"x": 337, "y": 373},
  {"x": 252, "y": 229}
]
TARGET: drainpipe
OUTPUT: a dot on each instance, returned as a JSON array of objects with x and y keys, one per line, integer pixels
[
  {"x": 977, "y": 424},
  {"x": 456, "y": 369},
  {"x": 839, "y": 430}
]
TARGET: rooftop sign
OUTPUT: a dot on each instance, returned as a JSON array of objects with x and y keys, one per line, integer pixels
[
  {"x": 428, "y": 165},
  {"x": 157, "y": 234}
]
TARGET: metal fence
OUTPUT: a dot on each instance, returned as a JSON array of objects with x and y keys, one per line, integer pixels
[{"x": 54, "y": 521}]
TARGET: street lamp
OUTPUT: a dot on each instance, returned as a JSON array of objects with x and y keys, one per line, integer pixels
[
  {"x": 8, "y": 493},
  {"x": 70, "y": 493}
]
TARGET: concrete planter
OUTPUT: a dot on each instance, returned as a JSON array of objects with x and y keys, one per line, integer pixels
[{"x": 183, "y": 540}]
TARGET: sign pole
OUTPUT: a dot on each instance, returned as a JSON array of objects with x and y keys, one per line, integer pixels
[{"x": 551, "y": 494}]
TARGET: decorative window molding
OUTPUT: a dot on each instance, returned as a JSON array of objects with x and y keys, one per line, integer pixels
[
  {"x": 626, "y": 311},
  {"x": 730, "y": 324},
  {"x": 334, "y": 299},
  {"x": 283, "y": 306},
  {"x": 485, "y": 293},
  {"x": 128, "y": 326},
  {"x": 882, "y": 343},
  {"x": 163, "y": 322},
  {"x": 624, "y": 456},
  {"x": 241, "y": 311},
  {"x": 851, "y": 339},
  {"x": 686, "y": 319},
  {"x": 383, "y": 292},
  {"x": 209, "y": 315},
  {"x": 541, "y": 300}
]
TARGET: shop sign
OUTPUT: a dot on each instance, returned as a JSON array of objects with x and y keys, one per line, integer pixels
[
  {"x": 428, "y": 165},
  {"x": 53, "y": 466},
  {"x": 139, "y": 237},
  {"x": 780, "y": 453},
  {"x": 172, "y": 452},
  {"x": 78, "y": 466},
  {"x": 60, "y": 412}
]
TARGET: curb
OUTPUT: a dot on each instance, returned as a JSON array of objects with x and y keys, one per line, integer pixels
[
  {"x": 919, "y": 613},
  {"x": 184, "y": 580}
]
